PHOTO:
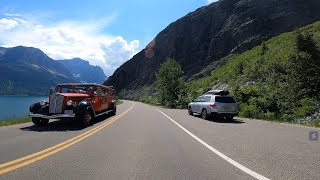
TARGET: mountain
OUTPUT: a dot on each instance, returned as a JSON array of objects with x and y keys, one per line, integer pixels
[
  {"x": 29, "y": 71},
  {"x": 203, "y": 40},
  {"x": 33, "y": 56},
  {"x": 83, "y": 71}
]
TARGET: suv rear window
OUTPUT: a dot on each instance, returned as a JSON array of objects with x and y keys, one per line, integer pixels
[{"x": 222, "y": 99}]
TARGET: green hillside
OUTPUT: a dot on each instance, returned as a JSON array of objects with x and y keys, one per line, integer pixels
[{"x": 278, "y": 80}]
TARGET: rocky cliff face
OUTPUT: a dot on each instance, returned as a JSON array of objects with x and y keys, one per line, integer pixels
[{"x": 199, "y": 40}]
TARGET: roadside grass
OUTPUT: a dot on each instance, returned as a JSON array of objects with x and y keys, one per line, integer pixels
[
  {"x": 118, "y": 102},
  {"x": 315, "y": 123},
  {"x": 9, "y": 122},
  {"x": 151, "y": 100},
  {"x": 310, "y": 123}
]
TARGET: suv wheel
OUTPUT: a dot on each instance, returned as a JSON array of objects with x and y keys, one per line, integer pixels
[
  {"x": 40, "y": 121},
  {"x": 190, "y": 111},
  {"x": 204, "y": 114}
]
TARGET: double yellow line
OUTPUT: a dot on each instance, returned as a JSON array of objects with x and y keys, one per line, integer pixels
[{"x": 18, "y": 163}]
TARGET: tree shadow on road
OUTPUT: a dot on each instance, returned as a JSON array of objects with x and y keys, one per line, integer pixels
[{"x": 62, "y": 125}]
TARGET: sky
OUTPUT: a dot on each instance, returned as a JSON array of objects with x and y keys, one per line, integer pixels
[{"x": 104, "y": 32}]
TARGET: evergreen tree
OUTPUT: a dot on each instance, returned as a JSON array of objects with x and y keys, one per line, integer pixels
[
  {"x": 169, "y": 82},
  {"x": 306, "y": 65}
]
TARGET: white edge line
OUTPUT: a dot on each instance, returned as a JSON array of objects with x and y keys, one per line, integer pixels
[{"x": 236, "y": 164}]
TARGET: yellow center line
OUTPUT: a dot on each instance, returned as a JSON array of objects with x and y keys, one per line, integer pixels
[
  {"x": 58, "y": 147},
  {"x": 51, "y": 148}
]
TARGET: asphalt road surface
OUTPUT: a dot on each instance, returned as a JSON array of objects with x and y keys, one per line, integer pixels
[{"x": 147, "y": 142}]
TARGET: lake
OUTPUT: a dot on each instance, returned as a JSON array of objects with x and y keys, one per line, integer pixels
[{"x": 17, "y": 106}]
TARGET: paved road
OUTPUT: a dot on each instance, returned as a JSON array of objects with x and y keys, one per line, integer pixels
[{"x": 146, "y": 142}]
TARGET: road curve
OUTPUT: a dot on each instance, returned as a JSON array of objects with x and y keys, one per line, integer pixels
[{"x": 147, "y": 142}]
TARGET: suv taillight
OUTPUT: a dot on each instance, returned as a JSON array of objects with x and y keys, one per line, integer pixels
[{"x": 213, "y": 105}]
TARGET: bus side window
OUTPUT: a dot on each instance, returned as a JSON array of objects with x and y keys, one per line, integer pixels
[
  {"x": 99, "y": 92},
  {"x": 107, "y": 92},
  {"x": 103, "y": 92}
]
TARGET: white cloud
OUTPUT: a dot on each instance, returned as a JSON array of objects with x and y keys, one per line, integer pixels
[
  {"x": 118, "y": 48},
  {"x": 66, "y": 40},
  {"x": 12, "y": 15},
  {"x": 6, "y": 24},
  {"x": 211, "y": 1}
]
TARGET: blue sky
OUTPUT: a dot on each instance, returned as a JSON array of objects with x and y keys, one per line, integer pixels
[{"x": 107, "y": 33}]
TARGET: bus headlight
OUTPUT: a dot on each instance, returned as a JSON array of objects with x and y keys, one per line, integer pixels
[
  {"x": 69, "y": 103},
  {"x": 42, "y": 103}
]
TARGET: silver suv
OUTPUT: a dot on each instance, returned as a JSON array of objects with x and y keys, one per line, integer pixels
[{"x": 214, "y": 104}]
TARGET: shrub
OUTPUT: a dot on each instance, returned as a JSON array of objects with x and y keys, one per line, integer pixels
[
  {"x": 249, "y": 111},
  {"x": 305, "y": 107}
]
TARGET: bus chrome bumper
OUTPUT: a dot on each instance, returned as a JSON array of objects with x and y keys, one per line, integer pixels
[{"x": 53, "y": 116}]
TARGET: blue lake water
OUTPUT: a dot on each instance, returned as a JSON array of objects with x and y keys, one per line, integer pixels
[{"x": 17, "y": 106}]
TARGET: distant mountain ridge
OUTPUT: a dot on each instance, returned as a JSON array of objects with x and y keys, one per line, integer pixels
[
  {"x": 83, "y": 71},
  {"x": 202, "y": 39},
  {"x": 33, "y": 56},
  {"x": 29, "y": 71}
]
